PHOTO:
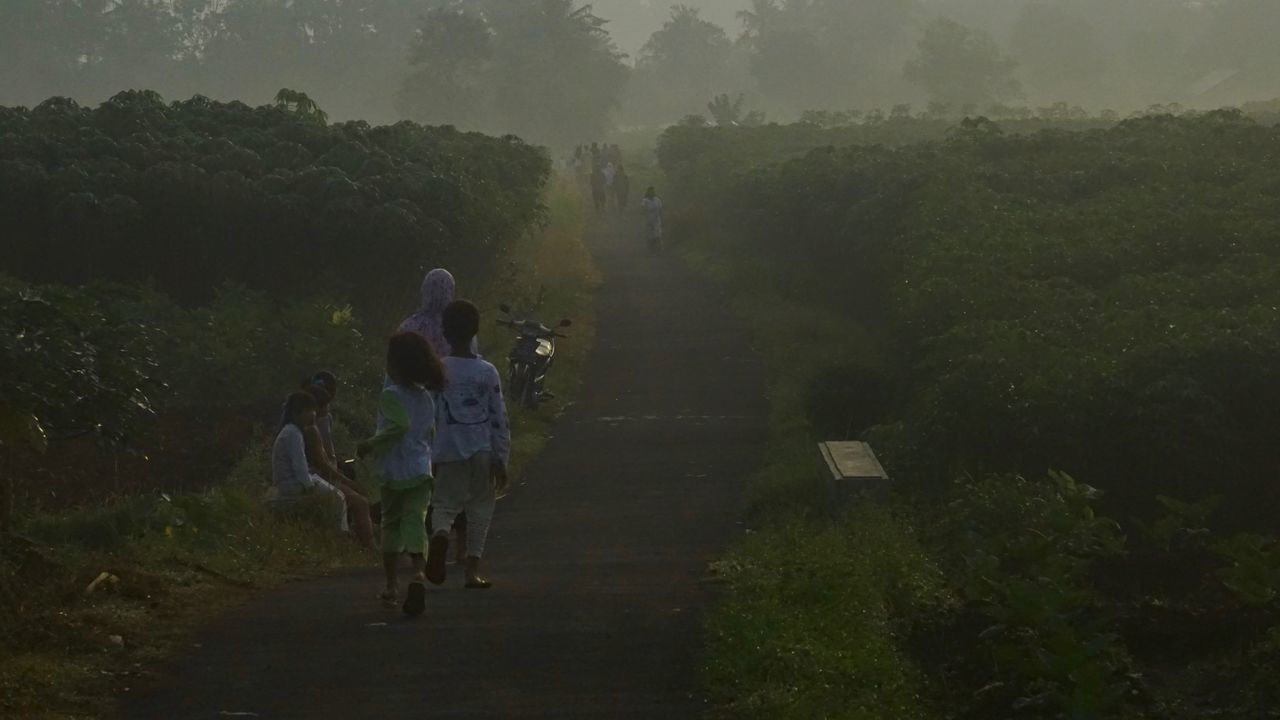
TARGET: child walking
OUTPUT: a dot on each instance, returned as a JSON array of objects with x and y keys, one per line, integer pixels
[
  {"x": 472, "y": 447},
  {"x": 402, "y": 451}
]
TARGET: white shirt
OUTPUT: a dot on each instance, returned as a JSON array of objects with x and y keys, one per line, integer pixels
[
  {"x": 652, "y": 207},
  {"x": 289, "y": 471},
  {"x": 471, "y": 416}
]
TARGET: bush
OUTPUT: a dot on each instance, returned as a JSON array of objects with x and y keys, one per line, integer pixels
[
  {"x": 1104, "y": 300},
  {"x": 190, "y": 195},
  {"x": 808, "y": 627},
  {"x": 845, "y": 400},
  {"x": 1101, "y": 300}
]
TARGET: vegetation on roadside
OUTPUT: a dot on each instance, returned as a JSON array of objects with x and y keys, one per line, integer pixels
[
  {"x": 135, "y": 429},
  {"x": 185, "y": 196},
  {"x": 987, "y": 308}
]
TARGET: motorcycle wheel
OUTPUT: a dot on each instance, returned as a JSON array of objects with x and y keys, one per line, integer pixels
[
  {"x": 521, "y": 383},
  {"x": 530, "y": 395}
]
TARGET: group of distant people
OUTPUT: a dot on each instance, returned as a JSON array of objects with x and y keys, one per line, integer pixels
[
  {"x": 439, "y": 454},
  {"x": 600, "y": 168}
]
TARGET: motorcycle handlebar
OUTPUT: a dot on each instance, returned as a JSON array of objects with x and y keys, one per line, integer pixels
[{"x": 520, "y": 325}]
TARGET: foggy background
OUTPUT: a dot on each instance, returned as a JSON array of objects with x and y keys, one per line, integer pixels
[{"x": 559, "y": 72}]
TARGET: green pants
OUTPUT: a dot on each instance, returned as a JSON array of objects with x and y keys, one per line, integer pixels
[{"x": 404, "y": 518}]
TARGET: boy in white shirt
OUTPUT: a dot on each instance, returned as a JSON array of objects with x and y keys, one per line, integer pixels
[{"x": 472, "y": 445}]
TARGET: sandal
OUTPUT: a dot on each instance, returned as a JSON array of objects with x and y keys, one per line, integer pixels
[
  {"x": 437, "y": 553},
  {"x": 478, "y": 584},
  {"x": 416, "y": 602},
  {"x": 390, "y": 600}
]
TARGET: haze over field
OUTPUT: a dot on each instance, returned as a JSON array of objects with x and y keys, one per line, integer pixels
[{"x": 558, "y": 70}]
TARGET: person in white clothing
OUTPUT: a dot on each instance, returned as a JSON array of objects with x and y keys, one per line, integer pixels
[
  {"x": 651, "y": 205},
  {"x": 472, "y": 446},
  {"x": 290, "y": 474}
]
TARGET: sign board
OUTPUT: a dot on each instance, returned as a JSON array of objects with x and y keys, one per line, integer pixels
[{"x": 851, "y": 469}]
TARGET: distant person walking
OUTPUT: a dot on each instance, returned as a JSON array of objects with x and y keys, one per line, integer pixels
[
  {"x": 651, "y": 205},
  {"x": 622, "y": 188},
  {"x": 599, "y": 189},
  {"x": 610, "y": 175}
]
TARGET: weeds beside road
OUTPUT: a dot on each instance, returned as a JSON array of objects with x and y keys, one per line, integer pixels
[{"x": 92, "y": 598}]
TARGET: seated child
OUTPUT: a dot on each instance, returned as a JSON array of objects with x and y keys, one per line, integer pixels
[
  {"x": 290, "y": 474},
  {"x": 324, "y": 420},
  {"x": 472, "y": 446},
  {"x": 322, "y": 464}
]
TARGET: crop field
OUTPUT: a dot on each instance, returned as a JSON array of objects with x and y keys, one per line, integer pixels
[{"x": 1063, "y": 345}]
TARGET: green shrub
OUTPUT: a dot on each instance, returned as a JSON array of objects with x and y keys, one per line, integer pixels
[
  {"x": 1020, "y": 553},
  {"x": 1104, "y": 299},
  {"x": 811, "y": 624},
  {"x": 845, "y": 400},
  {"x": 190, "y": 195}
]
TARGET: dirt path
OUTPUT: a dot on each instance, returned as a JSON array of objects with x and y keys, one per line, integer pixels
[{"x": 598, "y": 560}]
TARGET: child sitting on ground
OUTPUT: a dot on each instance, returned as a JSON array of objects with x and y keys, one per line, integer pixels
[
  {"x": 472, "y": 446},
  {"x": 290, "y": 473},
  {"x": 324, "y": 421},
  {"x": 402, "y": 451},
  {"x": 322, "y": 464}
]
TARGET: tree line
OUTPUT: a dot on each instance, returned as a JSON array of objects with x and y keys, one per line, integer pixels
[{"x": 551, "y": 70}]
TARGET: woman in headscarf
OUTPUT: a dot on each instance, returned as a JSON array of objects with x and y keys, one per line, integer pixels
[{"x": 438, "y": 288}]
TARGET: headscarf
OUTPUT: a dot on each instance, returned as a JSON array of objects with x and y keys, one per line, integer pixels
[{"x": 437, "y": 292}]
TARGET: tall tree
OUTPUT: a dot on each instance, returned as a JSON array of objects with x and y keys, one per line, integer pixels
[
  {"x": 961, "y": 66},
  {"x": 554, "y": 75},
  {"x": 809, "y": 54},
  {"x": 452, "y": 56},
  {"x": 347, "y": 54},
  {"x": 86, "y": 49},
  {"x": 685, "y": 63}
]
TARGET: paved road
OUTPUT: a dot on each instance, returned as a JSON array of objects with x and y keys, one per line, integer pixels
[{"x": 598, "y": 561}]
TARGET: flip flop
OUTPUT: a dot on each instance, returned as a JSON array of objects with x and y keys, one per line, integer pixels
[
  {"x": 416, "y": 602},
  {"x": 389, "y": 600},
  {"x": 437, "y": 553},
  {"x": 478, "y": 584}
]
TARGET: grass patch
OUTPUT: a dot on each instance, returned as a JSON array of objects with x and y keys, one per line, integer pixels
[
  {"x": 810, "y": 624},
  {"x": 799, "y": 342},
  {"x": 808, "y": 628},
  {"x": 551, "y": 279},
  {"x": 164, "y": 564},
  {"x": 161, "y": 565}
]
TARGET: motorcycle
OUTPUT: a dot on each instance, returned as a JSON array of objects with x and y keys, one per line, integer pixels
[{"x": 530, "y": 359}]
